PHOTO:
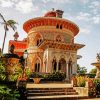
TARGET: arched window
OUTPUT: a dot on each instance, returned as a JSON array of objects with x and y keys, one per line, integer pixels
[
  {"x": 62, "y": 65},
  {"x": 38, "y": 39},
  {"x": 58, "y": 38},
  {"x": 37, "y": 66},
  {"x": 57, "y": 26},
  {"x": 60, "y": 26},
  {"x": 37, "y": 42}
]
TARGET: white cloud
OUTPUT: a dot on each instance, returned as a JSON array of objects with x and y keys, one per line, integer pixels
[
  {"x": 84, "y": 31},
  {"x": 25, "y": 6},
  {"x": 84, "y": 1},
  {"x": 96, "y": 19},
  {"x": 57, "y": 1},
  {"x": 95, "y": 7},
  {"x": 95, "y": 4},
  {"x": 6, "y": 3},
  {"x": 83, "y": 16}
]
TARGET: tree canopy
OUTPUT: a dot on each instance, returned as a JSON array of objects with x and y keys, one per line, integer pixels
[
  {"x": 93, "y": 71},
  {"x": 81, "y": 70}
]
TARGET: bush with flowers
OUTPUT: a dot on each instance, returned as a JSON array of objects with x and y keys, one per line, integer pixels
[
  {"x": 94, "y": 88},
  {"x": 80, "y": 81},
  {"x": 97, "y": 87}
]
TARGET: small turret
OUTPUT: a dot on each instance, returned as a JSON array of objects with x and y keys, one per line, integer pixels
[
  {"x": 16, "y": 35},
  {"x": 59, "y": 13}
]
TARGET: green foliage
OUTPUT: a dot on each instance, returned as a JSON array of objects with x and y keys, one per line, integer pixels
[
  {"x": 2, "y": 71},
  {"x": 11, "y": 22},
  {"x": 36, "y": 75},
  {"x": 55, "y": 76},
  {"x": 17, "y": 72},
  {"x": 81, "y": 70},
  {"x": 94, "y": 91},
  {"x": 80, "y": 81},
  {"x": 97, "y": 83},
  {"x": 8, "y": 94},
  {"x": 91, "y": 75},
  {"x": 93, "y": 71},
  {"x": 28, "y": 72}
]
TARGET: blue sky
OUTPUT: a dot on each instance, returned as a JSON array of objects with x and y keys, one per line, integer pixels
[{"x": 85, "y": 13}]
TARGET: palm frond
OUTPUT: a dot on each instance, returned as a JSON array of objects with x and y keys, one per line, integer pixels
[
  {"x": 2, "y": 17},
  {"x": 13, "y": 27},
  {"x": 11, "y": 22}
]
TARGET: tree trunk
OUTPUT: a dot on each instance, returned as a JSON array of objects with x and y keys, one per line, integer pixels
[{"x": 4, "y": 38}]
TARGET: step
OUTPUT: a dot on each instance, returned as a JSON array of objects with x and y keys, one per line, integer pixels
[
  {"x": 49, "y": 85},
  {"x": 61, "y": 97},
  {"x": 52, "y": 93},
  {"x": 43, "y": 91},
  {"x": 46, "y": 94},
  {"x": 50, "y": 90}
]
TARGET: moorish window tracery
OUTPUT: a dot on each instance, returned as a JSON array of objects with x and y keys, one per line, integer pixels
[
  {"x": 37, "y": 66},
  {"x": 58, "y": 38},
  {"x": 38, "y": 39}
]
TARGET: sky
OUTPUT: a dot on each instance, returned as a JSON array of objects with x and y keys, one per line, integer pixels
[{"x": 85, "y": 13}]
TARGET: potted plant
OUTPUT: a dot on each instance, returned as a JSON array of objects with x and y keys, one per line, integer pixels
[{"x": 36, "y": 77}]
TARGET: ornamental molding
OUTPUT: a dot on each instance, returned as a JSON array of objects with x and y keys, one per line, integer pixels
[{"x": 49, "y": 29}]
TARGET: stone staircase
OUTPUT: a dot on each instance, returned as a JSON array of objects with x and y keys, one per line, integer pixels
[{"x": 47, "y": 92}]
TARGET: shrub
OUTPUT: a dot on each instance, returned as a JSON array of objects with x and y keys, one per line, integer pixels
[
  {"x": 17, "y": 72},
  {"x": 91, "y": 75},
  {"x": 97, "y": 83},
  {"x": 8, "y": 94},
  {"x": 94, "y": 90},
  {"x": 2, "y": 72},
  {"x": 97, "y": 86},
  {"x": 28, "y": 72},
  {"x": 55, "y": 76},
  {"x": 80, "y": 81},
  {"x": 36, "y": 75}
]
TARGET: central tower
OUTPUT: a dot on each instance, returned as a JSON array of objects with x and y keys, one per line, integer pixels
[{"x": 51, "y": 44}]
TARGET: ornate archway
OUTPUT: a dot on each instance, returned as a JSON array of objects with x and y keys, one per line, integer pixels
[
  {"x": 37, "y": 66},
  {"x": 62, "y": 65},
  {"x": 38, "y": 39}
]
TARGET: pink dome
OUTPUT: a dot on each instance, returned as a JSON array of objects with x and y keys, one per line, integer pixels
[{"x": 50, "y": 14}]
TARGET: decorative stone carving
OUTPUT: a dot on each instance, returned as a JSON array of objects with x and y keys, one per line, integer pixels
[
  {"x": 97, "y": 64},
  {"x": 98, "y": 57}
]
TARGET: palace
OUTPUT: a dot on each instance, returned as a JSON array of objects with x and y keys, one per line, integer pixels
[{"x": 50, "y": 44}]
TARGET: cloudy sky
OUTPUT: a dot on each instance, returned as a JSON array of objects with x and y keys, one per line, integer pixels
[{"x": 85, "y": 13}]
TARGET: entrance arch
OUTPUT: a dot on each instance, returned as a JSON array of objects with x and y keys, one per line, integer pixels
[
  {"x": 37, "y": 66},
  {"x": 62, "y": 65}
]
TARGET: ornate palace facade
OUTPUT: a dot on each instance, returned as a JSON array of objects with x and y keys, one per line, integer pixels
[{"x": 50, "y": 44}]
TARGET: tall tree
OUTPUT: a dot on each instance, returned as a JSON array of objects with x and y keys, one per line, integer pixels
[
  {"x": 7, "y": 24},
  {"x": 81, "y": 70}
]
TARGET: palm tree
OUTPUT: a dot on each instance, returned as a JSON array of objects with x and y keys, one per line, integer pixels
[{"x": 7, "y": 24}]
